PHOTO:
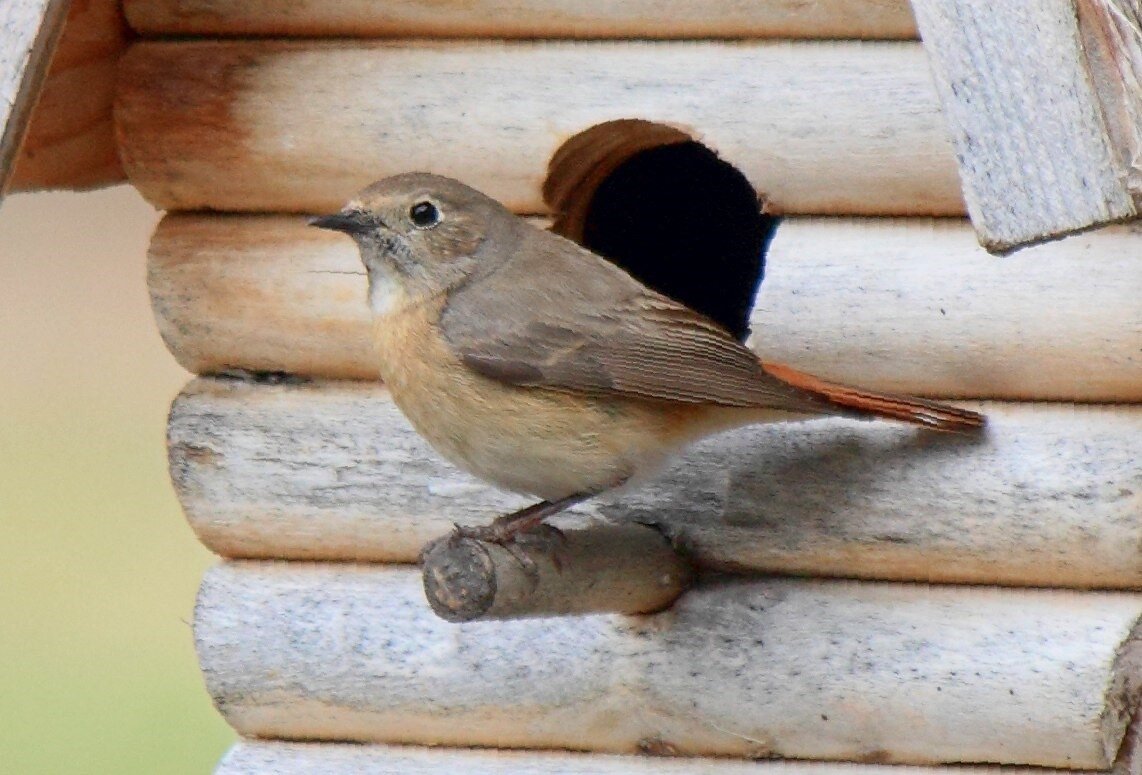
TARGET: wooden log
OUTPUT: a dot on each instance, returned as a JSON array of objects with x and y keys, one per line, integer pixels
[
  {"x": 29, "y": 30},
  {"x": 1050, "y": 497},
  {"x": 293, "y": 126},
  {"x": 914, "y": 306},
  {"x": 528, "y": 18},
  {"x": 626, "y": 569},
  {"x": 263, "y": 757},
  {"x": 779, "y": 667},
  {"x": 70, "y": 141},
  {"x": 1000, "y": 68},
  {"x": 291, "y": 298}
]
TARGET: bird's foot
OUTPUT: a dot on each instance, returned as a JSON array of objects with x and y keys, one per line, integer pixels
[
  {"x": 526, "y": 529},
  {"x": 503, "y": 531},
  {"x": 523, "y": 542},
  {"x": 506, "y": 529}
]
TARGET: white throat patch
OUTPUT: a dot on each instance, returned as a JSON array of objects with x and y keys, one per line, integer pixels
[{"x": 386, "y": 295}]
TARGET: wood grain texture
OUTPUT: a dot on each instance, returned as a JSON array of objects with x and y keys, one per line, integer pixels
[
  {"x": 263, "y": 757},
  {"x": 912, "y": 306},
  {"x": 1026, "y": 112},
  {"x": 29, "y": 30},
  {"x": 780, "y": 667},
  {"x": 527, "y": 18},
  {"x": 281, "y": 295},
  {"x": 292, "y": 126},
  {"x": 1111, "y": 32},
  {"x": 626, "y": 569},
  {"x": 70, "y": 141},
  {"x": 1052, "y": 496}
]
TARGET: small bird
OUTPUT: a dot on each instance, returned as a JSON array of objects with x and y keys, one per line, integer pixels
[{"x": 546, "y": 370}]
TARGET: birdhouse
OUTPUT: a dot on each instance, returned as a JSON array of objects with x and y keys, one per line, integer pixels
[{"x": 827, "y": 596}]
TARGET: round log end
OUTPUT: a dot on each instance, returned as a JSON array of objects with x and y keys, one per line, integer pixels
[{"x": 459, "y": 578}]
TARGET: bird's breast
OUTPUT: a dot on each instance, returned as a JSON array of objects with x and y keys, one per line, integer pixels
[{"x": 542, "y": 442}]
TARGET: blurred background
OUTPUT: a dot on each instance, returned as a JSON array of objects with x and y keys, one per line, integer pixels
[{"x": 98, "y": 569}]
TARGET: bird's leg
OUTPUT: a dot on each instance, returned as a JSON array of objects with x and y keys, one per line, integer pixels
[{"x": 504, "y": 530}]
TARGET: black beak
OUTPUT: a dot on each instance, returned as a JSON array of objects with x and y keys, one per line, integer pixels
[{"x": 347, "y": 222}]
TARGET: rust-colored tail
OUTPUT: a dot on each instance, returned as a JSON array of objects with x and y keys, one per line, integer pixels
[{"x": 918, "y": 411}]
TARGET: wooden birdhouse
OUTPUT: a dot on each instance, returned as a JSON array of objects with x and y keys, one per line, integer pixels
[{"x": 849, "y": 595}]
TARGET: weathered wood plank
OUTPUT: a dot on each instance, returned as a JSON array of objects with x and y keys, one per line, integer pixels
[
  {"x": 1111, "y": 32},
  {"x": 70, "y": 141},
  {"x": 262, "y": 757},
  {"x": 29, "y": 30},
  {"x": 528, "y": 18},
  {"x": 292, "y": 126},
  {"x": 1043, "y": 108},
  {"x": 801, "y": 669},
  {"x": 333, "y": 471},
  {"x": 914, "y": 306}
]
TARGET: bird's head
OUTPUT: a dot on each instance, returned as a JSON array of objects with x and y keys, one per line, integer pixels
[{"x": 419, "y": 235}]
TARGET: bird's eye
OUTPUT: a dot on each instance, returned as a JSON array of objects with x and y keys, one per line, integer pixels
[{"x": 424, "y": 215}]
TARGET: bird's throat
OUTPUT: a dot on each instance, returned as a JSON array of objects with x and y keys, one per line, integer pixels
[{"x": 387, "y": 292}]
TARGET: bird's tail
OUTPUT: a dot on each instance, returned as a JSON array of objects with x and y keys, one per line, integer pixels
[{"x": 866, "y": 403}]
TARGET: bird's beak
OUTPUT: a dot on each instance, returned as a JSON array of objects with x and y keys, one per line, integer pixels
[{"x": 347, "y": 221}]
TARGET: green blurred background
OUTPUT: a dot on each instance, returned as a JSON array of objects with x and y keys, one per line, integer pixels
[{"x": 98, "y": 569}]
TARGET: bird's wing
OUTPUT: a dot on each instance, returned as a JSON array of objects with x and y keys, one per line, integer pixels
[{"x": 557, "y": 316}]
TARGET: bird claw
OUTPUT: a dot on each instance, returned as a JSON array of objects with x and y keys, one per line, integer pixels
[
  {"x": 542, "y": 538},
  {"x": 501, "y": 535},
  {"x": 546, "y": 539}
]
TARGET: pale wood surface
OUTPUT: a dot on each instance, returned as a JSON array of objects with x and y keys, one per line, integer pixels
[
  {"x": 913, "y": 305},
  {"x": 260, "y": 757},
  {"x": 1111, "y": 32},
  {"x": 29, "y": 30},
  {"x": 1051, "y": 496},
  {"x": 528, "y": 18},
  {"x": 1026, "y": 108},
  {"x": 818, "y": 127},
  {"x": 70, "y": 141},
  {"x": 626, "y": 569},
  {"x": 827, "y": 670}
]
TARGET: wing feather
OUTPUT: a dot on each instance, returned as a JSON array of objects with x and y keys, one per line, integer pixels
[{"x": 590, "y": 327}]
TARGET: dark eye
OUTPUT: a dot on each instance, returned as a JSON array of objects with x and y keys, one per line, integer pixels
[{"x": 424, "y": 215}]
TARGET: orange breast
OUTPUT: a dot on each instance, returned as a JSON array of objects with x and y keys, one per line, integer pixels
[{"x": 530, "y": 440}]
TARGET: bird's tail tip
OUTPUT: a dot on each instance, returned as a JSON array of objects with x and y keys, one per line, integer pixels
[{"x": 867, "y": 403}]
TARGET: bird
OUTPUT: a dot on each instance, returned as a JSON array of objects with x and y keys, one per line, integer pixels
[{"x": 546, "y": 370}]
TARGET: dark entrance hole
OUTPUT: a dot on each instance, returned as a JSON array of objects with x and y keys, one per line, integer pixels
[{"x": 665, "y": 208}]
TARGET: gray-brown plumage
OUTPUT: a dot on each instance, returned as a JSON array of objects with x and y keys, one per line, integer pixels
[
  {"x": 544, "y": 368},
  {"x": 598, "y": 330}
]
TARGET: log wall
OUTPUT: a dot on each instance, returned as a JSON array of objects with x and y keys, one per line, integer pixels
[
  {"x": 528, "y": 18},
  {"x": 308, "y": 480},
  {"x": 260, "y": 757},
  {"x": 909, "y": 305},
  {"x": 1051, "y": 496},
  {"x": 755, "y": 669},
  {"x": 841, "y": 127}
]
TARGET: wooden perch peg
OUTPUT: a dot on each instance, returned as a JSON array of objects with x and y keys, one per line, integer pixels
[{"x": 629, "y": 569}]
